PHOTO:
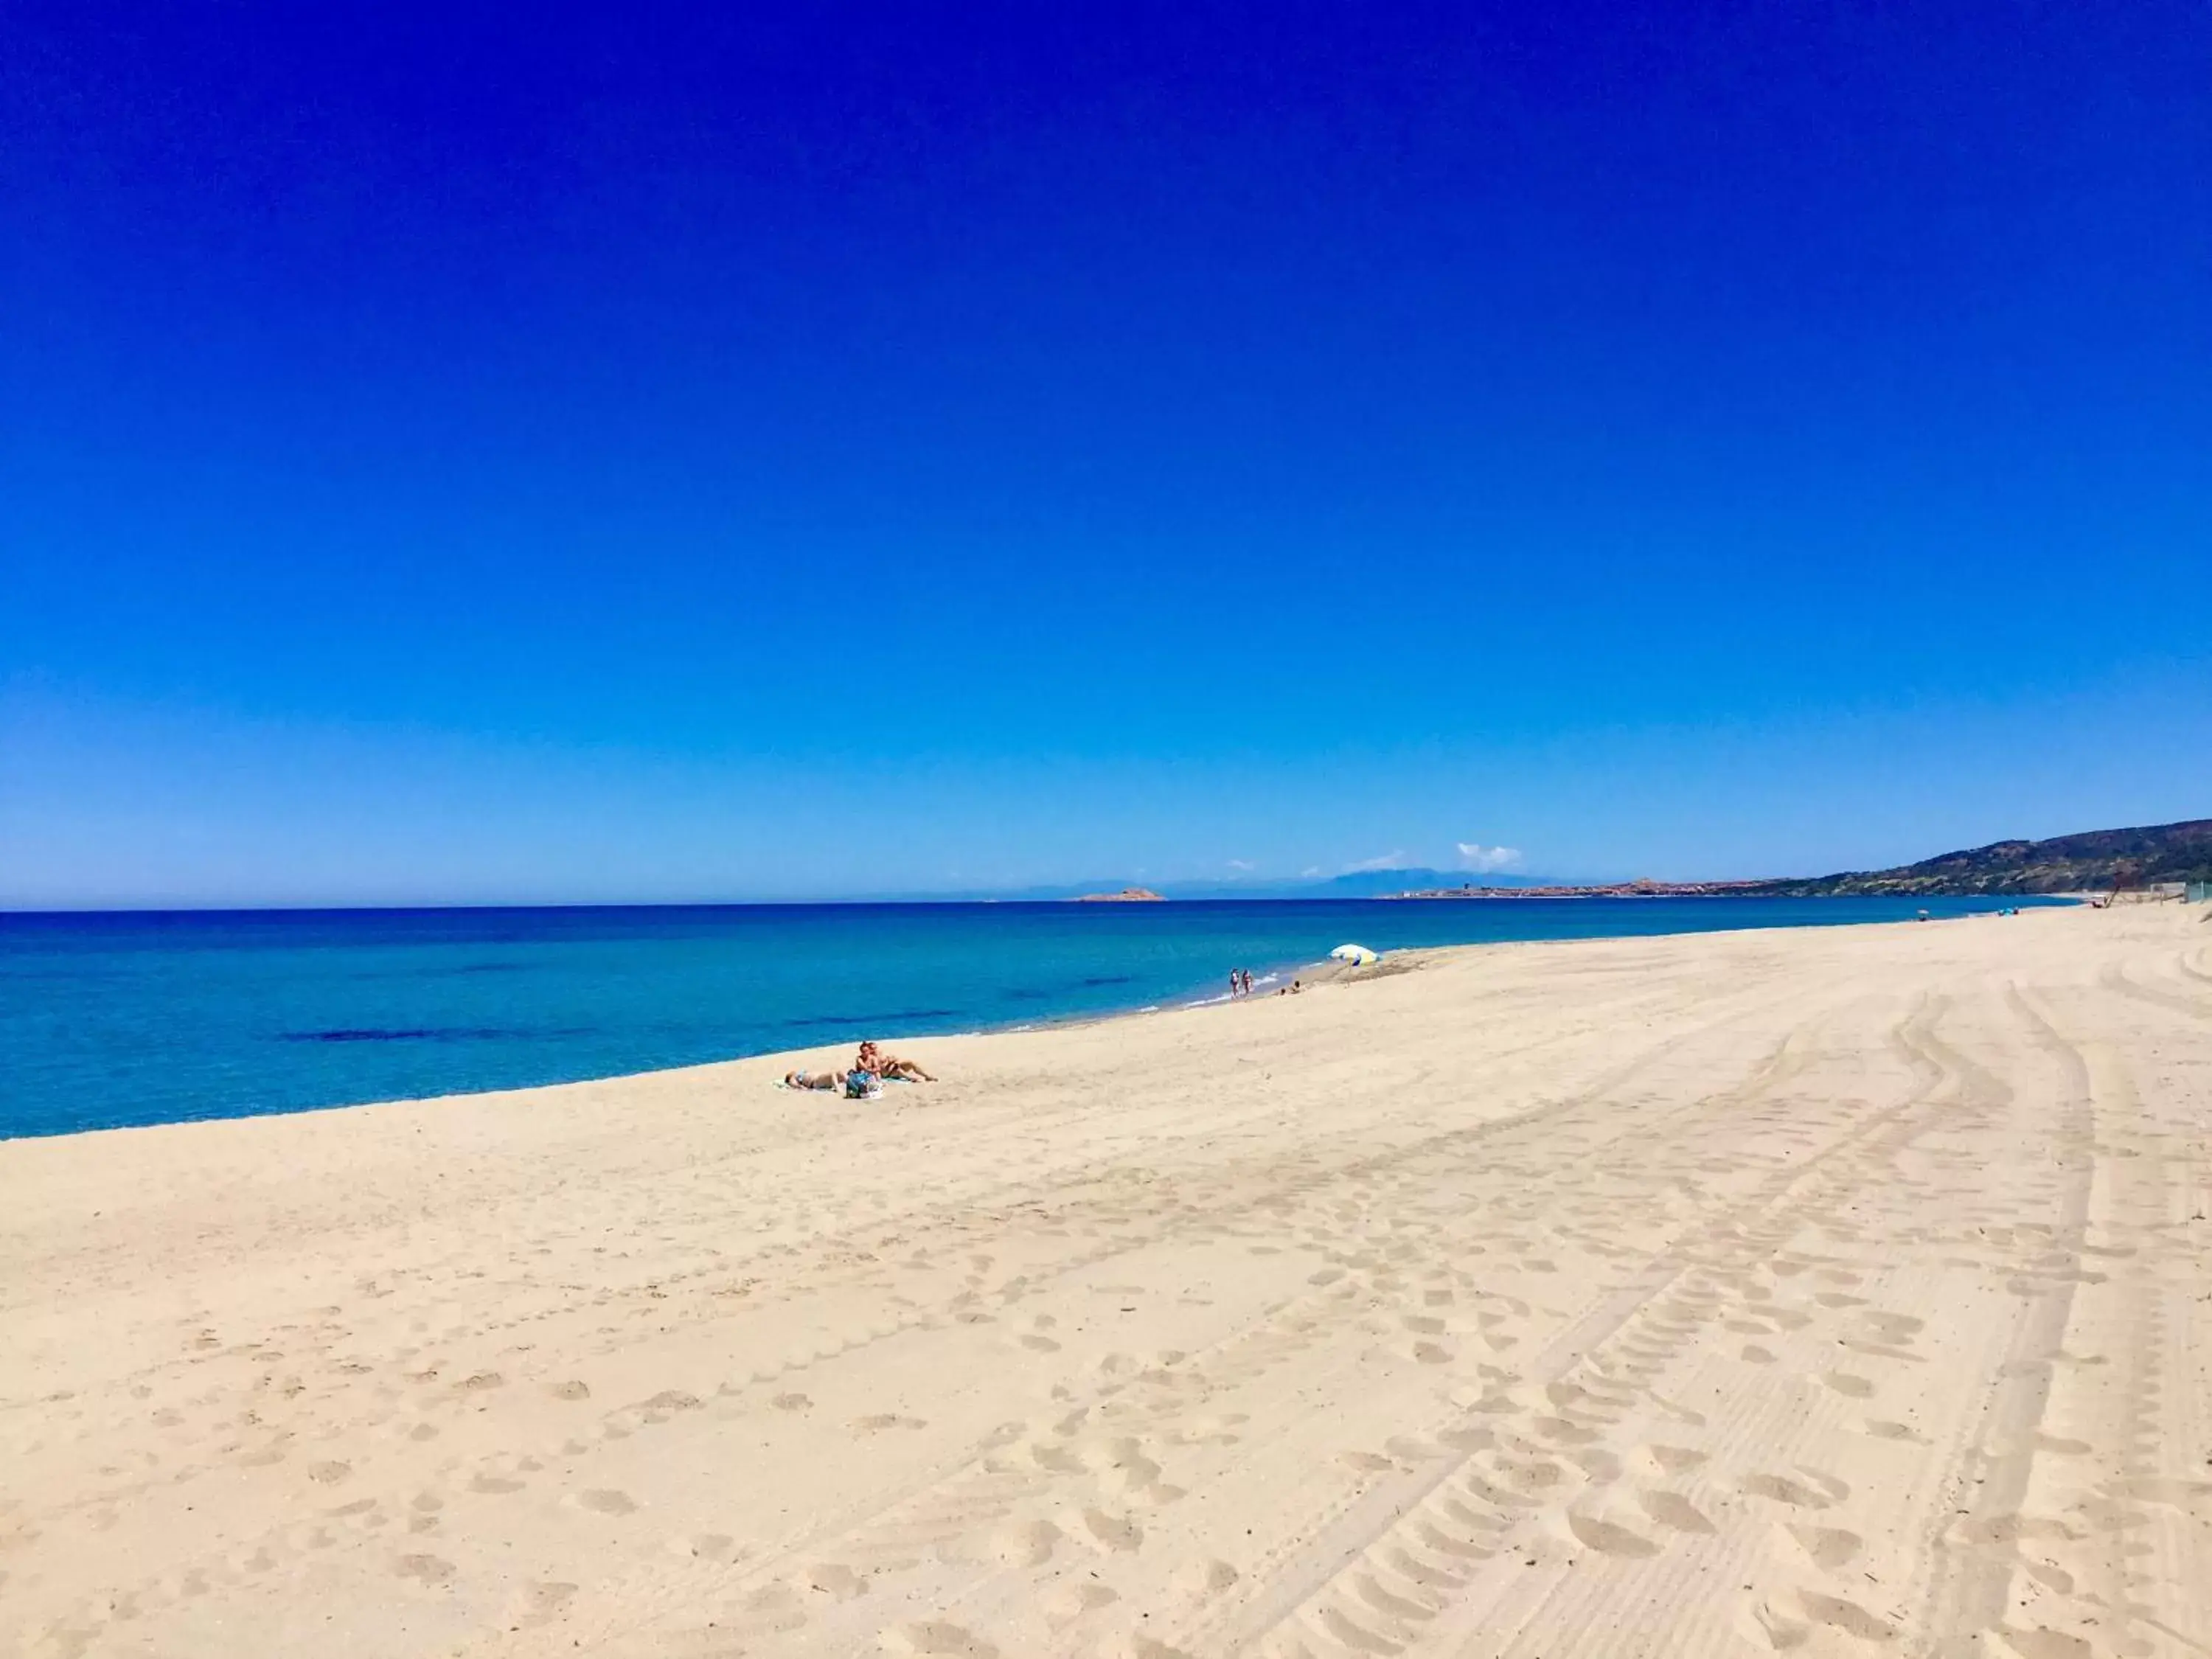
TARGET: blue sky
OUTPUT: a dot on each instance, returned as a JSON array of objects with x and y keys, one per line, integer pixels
[{"x": 668, "y": 456}]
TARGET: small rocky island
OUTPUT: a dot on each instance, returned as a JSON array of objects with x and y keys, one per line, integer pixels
[{"x": 1126, "y": 896}]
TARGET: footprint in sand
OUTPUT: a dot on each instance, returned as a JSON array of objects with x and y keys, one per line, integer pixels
[
  {"x": 1116, "y": 1533},
  {"x": 1672, "y": 1510},
  {"x": 835, "y": 1580},
  {"x": 1883, "y": 1429},
  {"x": 1409, "y": 1450},
  {"x": 539, "y": 1604},
  {"x": 1016, "y": 1544},
  {"x": 705, "y": 1546},
  {"x": 1600, "y": 1466},
  {"x": 571, "y": 1390},
  {"x": 1837, "y": 1488},
  {"x": 602, "y": 1501},
  {"x": 1854, "y": 1387},
  {"x": 1205, "y": 1578},
  {"x": 429, "y": 1569},
  {"x": 933, "y": 1637},
  {"x": 329, "y": 1474},
  {"x": 1563, "y": 1431},
  {"x": 1674, "y": 1459},
  {"x": 1830, "y": 1547},
  {"x": 1847, "y": 1616},
  {"x": 1608, "y": 1539},
  {"x": 1782, "y": 1489},
  {"x": 1058, "y": 1459},
  {"x": 1070, "y": 1601},
  {"x": 1782, "y": 1632},
  {"x": 2043, "y": 1643},
  {"x": 882, "y": 1420}
]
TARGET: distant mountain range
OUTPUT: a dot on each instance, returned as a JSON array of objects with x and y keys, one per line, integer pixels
[
  {"x": 2095, "y": 860},
  {"x": 1353, "y": 884},
  {"x": 2092, "y": 861}
]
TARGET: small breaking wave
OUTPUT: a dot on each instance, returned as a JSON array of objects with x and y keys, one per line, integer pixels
[{"x": 893, "y": 1017}]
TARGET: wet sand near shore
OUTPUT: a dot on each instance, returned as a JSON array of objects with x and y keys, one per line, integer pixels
[{"x": 1828, "y": 1291}]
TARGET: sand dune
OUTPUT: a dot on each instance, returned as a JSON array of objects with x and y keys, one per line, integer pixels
[{"x": 1837, "y": 1292}]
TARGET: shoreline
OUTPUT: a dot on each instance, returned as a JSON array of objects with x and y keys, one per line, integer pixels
[
  {"x": 1713, "y": 890},
  {"x": 824, "y": 1055},
  {"x": 186, "y": 1020},
  {"x": 1317, "y": 974}
]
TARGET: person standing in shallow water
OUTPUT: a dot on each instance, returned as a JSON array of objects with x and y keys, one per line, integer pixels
[{"x": 1233, "y": 991}]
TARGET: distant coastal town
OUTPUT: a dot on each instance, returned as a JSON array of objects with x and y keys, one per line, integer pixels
[{"x": 1640, "y": 889}]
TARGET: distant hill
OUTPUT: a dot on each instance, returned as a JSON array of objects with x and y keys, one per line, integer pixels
[{"x": 2092, "y": 861}]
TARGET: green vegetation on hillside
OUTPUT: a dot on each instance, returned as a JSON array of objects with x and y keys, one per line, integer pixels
[{"x": 2091, "y": 862}]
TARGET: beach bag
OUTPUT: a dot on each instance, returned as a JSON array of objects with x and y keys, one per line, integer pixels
[{"x": 862, "y": 1085}]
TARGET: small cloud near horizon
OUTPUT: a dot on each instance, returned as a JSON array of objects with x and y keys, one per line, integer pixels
[
  {"x": 1475, "y": 856},
  {"x": 1387, "y": 861},
  {"x": 1240, "y": 864}
]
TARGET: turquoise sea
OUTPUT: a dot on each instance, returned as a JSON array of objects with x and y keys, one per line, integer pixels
[{"x": 113, "y": 1019}]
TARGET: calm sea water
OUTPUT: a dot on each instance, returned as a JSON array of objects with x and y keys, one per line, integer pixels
[{"x": 118, "y": 1019}]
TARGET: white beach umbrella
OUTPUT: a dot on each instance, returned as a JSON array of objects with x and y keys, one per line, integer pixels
[{"x": 1357, "y": 955}]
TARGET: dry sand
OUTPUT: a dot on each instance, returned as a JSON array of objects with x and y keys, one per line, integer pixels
[{"x": 1841, "y": 1291}]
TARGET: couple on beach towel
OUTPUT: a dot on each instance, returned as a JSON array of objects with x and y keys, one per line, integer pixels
[{"x": 871, "y": 1069}]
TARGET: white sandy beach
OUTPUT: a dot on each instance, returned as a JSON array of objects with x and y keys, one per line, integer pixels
[{"x": 1836, "y": 1291}]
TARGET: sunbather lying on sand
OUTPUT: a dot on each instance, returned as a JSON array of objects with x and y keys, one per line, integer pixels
[
  {"x": 814, "y": 1079},
  {"x": 872, "y": 1059}
]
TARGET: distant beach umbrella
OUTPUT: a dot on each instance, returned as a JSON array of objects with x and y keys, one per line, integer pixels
[{"x": 1357, "y": 955}]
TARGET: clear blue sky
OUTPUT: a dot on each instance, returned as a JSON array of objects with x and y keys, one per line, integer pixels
[{"x": 764, "y": 450}]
